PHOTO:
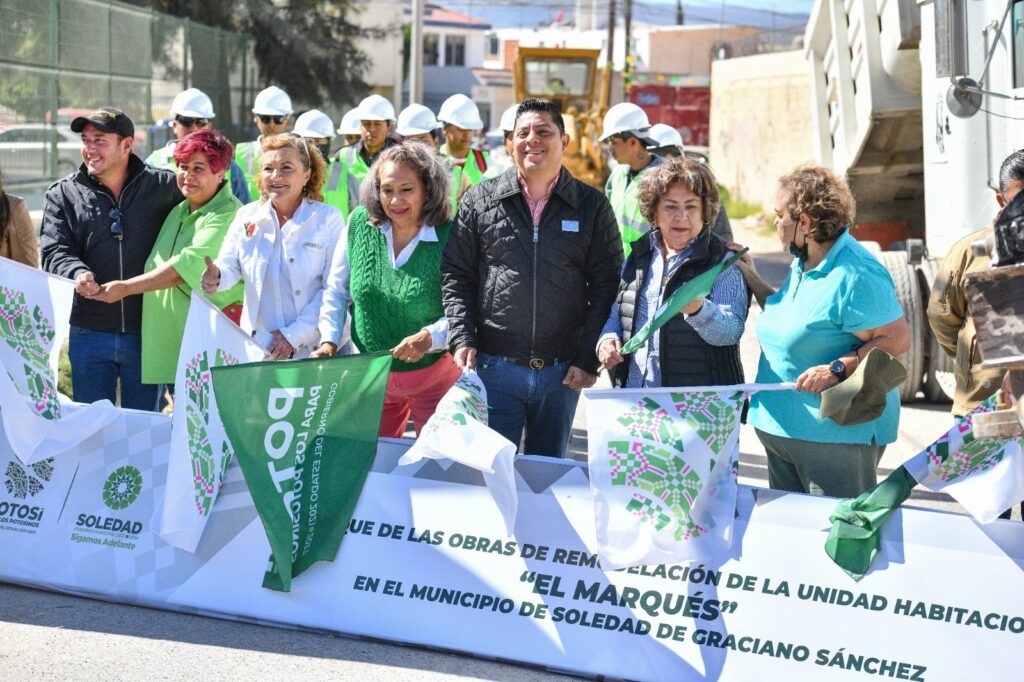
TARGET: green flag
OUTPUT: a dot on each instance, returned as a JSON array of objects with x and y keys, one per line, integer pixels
[
  {"x": 305, "y": 434},
  {"x": 854, "y": 540},
  {"x": 698, "y": 287}
]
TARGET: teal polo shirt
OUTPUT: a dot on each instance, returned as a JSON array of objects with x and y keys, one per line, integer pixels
[{"x": 810, "y": 321}]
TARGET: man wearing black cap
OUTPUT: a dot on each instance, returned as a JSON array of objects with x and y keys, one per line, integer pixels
[{"x": 99, "y": 224}]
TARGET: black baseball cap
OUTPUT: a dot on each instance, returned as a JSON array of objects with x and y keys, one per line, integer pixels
[{"x": 106, "y": 119}]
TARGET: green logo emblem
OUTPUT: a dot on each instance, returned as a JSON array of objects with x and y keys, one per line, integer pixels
[{"x": 122, "y": 487}]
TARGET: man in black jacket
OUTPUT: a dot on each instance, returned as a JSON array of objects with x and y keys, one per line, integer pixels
[
  {"x": 99, "y": 224},
  {"x": 528, "y": 278}
]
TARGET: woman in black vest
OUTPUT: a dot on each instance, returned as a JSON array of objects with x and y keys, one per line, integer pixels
[{"x": 699, "y": 346}]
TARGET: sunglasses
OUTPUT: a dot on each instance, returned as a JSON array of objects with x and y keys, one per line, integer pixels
[
  {"x": 189, "y": 122},
  {"x": 116, "y": 228},
  {"x": 267, "y": 119}
]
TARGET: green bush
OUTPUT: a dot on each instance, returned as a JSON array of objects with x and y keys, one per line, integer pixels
[{"x": 737, "y": 208}]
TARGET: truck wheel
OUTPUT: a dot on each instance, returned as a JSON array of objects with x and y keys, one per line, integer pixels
[
  {"x": 939, "y": 382},
  {"x": 908, "y": 293}
]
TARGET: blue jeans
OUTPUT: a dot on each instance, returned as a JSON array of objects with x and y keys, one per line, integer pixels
[
  {"x": 535, "y": 399},
  {"x": 99, "y": 359}
]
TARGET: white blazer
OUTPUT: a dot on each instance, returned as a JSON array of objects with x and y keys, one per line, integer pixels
[{"x": 310, "y": 239}]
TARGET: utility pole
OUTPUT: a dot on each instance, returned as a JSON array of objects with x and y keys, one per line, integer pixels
[
  {"x": 416, "y": 54},
  {"x": 627, "y": 67},
  {"x": 679, "y": 13},
  {"x": 609, "y": 55}
]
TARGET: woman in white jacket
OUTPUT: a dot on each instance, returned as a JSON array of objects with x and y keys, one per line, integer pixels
[{"x": 281, "y": 247}]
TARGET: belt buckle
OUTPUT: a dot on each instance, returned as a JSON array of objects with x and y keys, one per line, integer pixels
[{"x": 536, "y": 363}]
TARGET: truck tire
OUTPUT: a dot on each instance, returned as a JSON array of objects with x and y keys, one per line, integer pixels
[
  {"x": 908, "y": 293},
  {"x": 939, "y": 381}
]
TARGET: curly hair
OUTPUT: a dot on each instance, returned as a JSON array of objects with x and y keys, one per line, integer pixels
[
  {"x": 432, "y": 172},
  {"x": 823, "y": 196},
  {"x": 211, "y": 144},
  {"x": 311, "y": 159},
  {"x": 692, "y": 174}
]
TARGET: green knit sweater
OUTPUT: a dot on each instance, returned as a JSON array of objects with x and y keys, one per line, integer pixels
[{"x": 389, "y": 304}]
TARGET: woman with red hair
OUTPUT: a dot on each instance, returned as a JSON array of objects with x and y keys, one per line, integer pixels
[{"x": 191, "y": 232}]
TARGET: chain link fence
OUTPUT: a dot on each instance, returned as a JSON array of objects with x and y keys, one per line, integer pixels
[{"x": 63, "y": 58}]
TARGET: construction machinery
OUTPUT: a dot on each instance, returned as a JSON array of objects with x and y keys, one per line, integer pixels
[
  {"x": 569, "y": 77},
  {"x": 917, "y": 103}
]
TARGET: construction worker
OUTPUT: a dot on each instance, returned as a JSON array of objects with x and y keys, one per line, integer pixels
[
  {"x": 349, "y": 128},
  {"x": 376, "y": 124},
  {"x": 341, "y": 189},
  {"x": 192, "y": 110},
  {"x": 626, "y": 133},
  {"x": 416, "y": 122},
  {"x": 500, "y": 162},
  {"x": 461, "y": 120},
  {"x": 272, "y": 112}
]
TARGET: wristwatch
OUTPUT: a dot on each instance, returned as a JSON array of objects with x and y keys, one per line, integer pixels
[{"x": 838, "y": 368}]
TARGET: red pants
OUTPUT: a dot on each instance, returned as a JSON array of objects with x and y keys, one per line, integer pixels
[{"x": 417, "y": 393}]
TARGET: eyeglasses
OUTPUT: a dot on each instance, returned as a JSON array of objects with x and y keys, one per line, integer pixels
[
  {"x": 267, "y": 119},
  {"x": 188, "y": 122},
  {"x": 116, "y": 228}
]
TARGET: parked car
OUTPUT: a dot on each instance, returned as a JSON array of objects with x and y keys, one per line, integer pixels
[{"x": 27, "y": 151}]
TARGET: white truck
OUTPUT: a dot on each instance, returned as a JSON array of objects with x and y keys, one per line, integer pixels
[{"x": 918, "y": 102}]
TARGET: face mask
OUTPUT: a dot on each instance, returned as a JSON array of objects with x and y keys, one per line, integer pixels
[
  {"x": 325, "y": 150},
  {"x": 797, "y": 252}
]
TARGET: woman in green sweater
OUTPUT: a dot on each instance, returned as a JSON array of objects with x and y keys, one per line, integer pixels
[{"x": 388, "y": 268}]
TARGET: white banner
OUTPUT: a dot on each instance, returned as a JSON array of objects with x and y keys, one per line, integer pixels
[
  {"x": 425, "y": 561},
  {"x": 663, "y": 466},
  {"x": 200, "y": 450},
  {"x": 34, "y": 312}
]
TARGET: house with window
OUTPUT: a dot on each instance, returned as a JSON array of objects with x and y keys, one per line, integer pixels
[{"x": 453, "y": 45}]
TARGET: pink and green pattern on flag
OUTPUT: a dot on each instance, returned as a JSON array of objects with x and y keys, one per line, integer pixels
[
  {"x": 663, "y": 469},
  {"x": 28, "y": 331},
  {"x": 208, "y": 468}
]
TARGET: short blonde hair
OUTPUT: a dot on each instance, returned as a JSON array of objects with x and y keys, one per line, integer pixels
[
  {"x": 823, "y": 195},
  {"x": 695, "y": 175},
  {"x": 311, "y": 159},
  {"x": 429, "y": 167}
]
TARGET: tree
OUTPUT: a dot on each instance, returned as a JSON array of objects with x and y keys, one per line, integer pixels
[{"x": 304, "y": 46}]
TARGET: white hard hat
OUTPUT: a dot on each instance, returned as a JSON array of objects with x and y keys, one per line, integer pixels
[
  {"x": 193, "y": 103},
  {"x": 625, "y": 117},
  {"x": 272, "y": 102},
  {"x": 416, "y": 119},
  {"x": 349, "y": 123},
  {"x": 376, "y": 108},
  {"x": 314, "y": 123},
  {"x": 665, "y": 135},
  {"x": 460, "y": 111},
  {"x": 508, "y": 119}
]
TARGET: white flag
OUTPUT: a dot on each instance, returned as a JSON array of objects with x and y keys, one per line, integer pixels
[
  {"x": 34, "y": 311},
  {"x": 200, "y": 450},
  {"x": 458, "y": 431},
  {"x": 663, "y": 468},
  {"x": 985, "y": 475}
]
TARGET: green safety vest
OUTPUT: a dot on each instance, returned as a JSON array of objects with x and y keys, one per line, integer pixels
[
  {"x": 354, "y": 162},
  {"x": 626, "y": 205},
  {"x": 475, "y": 165},
  {"x": 456, "y": 182},
  {"x": 247, "y": 156},
  {"x": 340, "y": 185}
]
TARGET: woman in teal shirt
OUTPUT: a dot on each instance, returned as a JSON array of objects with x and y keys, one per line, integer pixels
[
  {"x": 837, "y": 303},
  {"x": 193, "y": 230}
]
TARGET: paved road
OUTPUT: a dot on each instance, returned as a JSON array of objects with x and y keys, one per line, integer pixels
[{"x": 56, "y": 637}]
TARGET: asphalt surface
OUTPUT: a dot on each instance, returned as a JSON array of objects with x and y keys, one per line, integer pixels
[{"x": 57, "y": 637}]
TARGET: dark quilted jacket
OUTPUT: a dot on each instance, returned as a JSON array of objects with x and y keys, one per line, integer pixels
[{"x": 513, "y": 292}]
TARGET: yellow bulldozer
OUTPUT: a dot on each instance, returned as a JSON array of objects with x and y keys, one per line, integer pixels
[{"x": 569, "y": 77}]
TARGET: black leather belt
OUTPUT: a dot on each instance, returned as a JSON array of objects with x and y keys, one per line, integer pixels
[{"x": 534, "y": 362}]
